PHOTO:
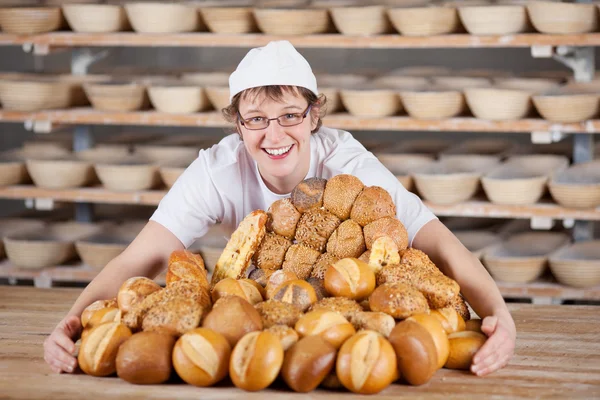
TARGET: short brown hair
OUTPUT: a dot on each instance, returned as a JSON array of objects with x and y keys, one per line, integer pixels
[{"x": 276, "y": 93}]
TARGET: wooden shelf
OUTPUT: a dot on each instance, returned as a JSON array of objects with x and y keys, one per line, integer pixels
[
  {"x": 475, "y": 208},
  {"x": 131, "y": 39},
  {"x": 89, "y": 116}
]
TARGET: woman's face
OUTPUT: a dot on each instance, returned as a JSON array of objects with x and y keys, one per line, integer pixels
[{"x": 282, "y": 153}]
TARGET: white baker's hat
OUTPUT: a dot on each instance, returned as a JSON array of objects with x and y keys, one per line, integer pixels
[{"x": 278, "y": 63}]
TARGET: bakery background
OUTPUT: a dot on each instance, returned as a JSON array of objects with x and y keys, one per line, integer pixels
[{"x": 126, "y": 157}]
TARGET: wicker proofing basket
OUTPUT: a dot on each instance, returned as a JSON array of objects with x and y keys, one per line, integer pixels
[
  {"x": 229, "y": 19},
  {"x": 178, "y": 99},
  {"x": 424, "y": 21},
  {"x": 9, "y": 226},
  {"x": 62, "y": 173},
  {"x": 496, "y": 104},
  {"x": 578, "y": 186},
  {"x": 35, "y": 94},
  {"x": 111, "y": 96},
  {"x": 274, "y": 21},
  {"x": 401, "y": 82},
  {"x": 497, "y": 148},
  {"x": 51, "y": 247},
  {"x": 371, "y": 103},
  {"x": 578, "y": 264},
  {"x": 163, "y": 153},
  {"x": 460, "y": 82},
  {"x": 402, "y": 165},
  {"x": 12, "y": 169},
  {"x": 99, "y": 249},
  {"x": 563, "y": 18},
  {"x": 207, "y": 78},
  {"x": 567, "y": 108},
  {"x": 128, "y": 175},
  {"x": 172, "y": 169},
  {"x": 96, "y": 18},
  {"x": 30, "y": 20},
  {"x": 218, "y": 96},
  {"x": 330, "y": 84},
  {"x": 533, "y": 85},
  {"x": 523, "y": 257},
  {"x": 433, "y": 104},
  {"x": 494, "y": 20},
  {"x": 146, "y": 17},
  {"x": 478, "y": 241},
  {"x": 362, "y": 21}
]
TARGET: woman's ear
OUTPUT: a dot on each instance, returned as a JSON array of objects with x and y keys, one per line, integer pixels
[{"x": 315, "y": 113}]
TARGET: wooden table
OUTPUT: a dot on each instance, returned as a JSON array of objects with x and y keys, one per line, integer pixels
[{"x": 557, "y": 356}]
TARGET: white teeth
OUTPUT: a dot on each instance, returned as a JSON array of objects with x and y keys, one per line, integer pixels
[{"x": 278, "y": 152}]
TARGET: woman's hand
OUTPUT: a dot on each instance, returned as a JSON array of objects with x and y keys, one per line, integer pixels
[
  {"x": 500, "y": 346},
  {"x": 59, "y": 347}
]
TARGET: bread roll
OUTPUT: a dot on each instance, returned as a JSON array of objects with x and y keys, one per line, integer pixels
[
  {"x": 256, "y": 361},
  {"x": 271, "y": 252},
  {"x": 329, "y": 325},
  {"x": 315, "y": 228},
  {"x": 95, "y": 306},
  {"x": 372, "y": 203},
  {"x": 238, "y": 252},
  {"x": 384, "y": 252},
  {"x": 134, "y": 290},
  {"x": 109, "y": 314},
  {"x": 319, "y": 286},
  {"x": 308, "y": 194},
  {"x": 297, "y": 292},
  {"x": 201, "y": 357},
  {"x": 374, "y": 321},
  {"x": 185, "y": 265},
  {"x": 286, "y": 335},
  {"x": 418, "y": 260},
  {"x": 398, "y": 300},
  {"x": 233, "y": 317},
  {"x": 463, "y": 346},
  {"x": 461, "y": 307},
  {"x": 415, "y": 351},
  {"x": 347, "y": 240},
  {"x": 351, "y": 278},
  {"x": 277, "y": 279},
  {"x": 364, "y": 257},
  {"x": 275, "y": 312},
  {"x": 260, "y": 276},
  {"x": 321, "y": 265},
  {"x": 450, "y": 319},
  {"x": 331, "y": 381},
  {"x": 346, "y": 307},
  {"x": 386, "y": 226},
  {"x": 438, "y": 334},
  {"x": 243, "y": 288},
  {"x": 473, "y": 325},
  {"x": 307, "y": 363},
  {"x": 283, "y": 218},
  {"x": 340, "y": 193},
  {"x": 300, "y": 259},
  {"x": 177, "y": 316},
  {"x": 366, "y": 363},
  {"x": 98, "y": 351},
  {"x": 145, "y": 358}
]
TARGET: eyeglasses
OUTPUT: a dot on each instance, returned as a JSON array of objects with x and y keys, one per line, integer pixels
[{"x": 286, "y": 120}]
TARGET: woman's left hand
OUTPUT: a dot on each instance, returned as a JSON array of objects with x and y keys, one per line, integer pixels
[{"x": 499, "y": 347}]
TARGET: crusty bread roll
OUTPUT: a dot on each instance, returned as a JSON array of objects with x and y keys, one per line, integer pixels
[
  {"x": 315, "y": 228},
  {"x": 176, "y": 316},
  {"x": 275, "y": 312},
  {"x": 319, "y": 286},
  {"x": 244, "y": 288},
  {"x": 108, "y": 314},
  {"x": 384, "y": 252},
  {"x": 286, "y": 335},
  {"x": 463, "y": 346},
  {"x": 277, "y": 279},
  {"x": 386, "y": 226},
  {"x": 297, "y": 292},
  {"x": 256, "y": 361},
  {"x": 342, "y": 305},
  {"x": 473, "y": 325},
  {"x": 438, "y": 334},
  {"x": 307, "y": 363},
  {"x": 185, "y": 265},
  {"x": 398, "y": 300},
  {"x": 201, "y": 357},
  {"x": 364, "y": 257},
  {"x": 95, "y": 306},
  {"x": 372, "y": 203},
  {"x": 233, "y": 317},
  {"x": 461, "y": 307},
  {"x": 238, "y": 252},
  {"x": 347, "y": 240},
  {"x": 321, "y": 265},
  {"x": 260, "y": 276},
  {"x": 418, "y": 260},
  {"x": 271, "y": 252},
  {"x": 329, "y": 325},
  {"x": 308, "y": 194},
  {"x": 351, "y": 278},
  {"x": 375, "y": 321},
  {"x": 340, "y": 193},
  {"x": 415, "y": 351},
  {"x": 450, "y": 319},
  {"x": 300, "y": 259},
  {"x": 134, "y": 290},
  {"x": 366, "y": 363},
  {"x": 145, "y": 358},
  {"x": 98, "y": 351},
  {"x": 283, "y": 218}
]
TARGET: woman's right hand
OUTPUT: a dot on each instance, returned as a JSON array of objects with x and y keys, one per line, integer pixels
[{"x": 59, "y": 347}]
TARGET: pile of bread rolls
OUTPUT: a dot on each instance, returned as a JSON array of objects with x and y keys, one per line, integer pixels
[{"x": 336, "y": 299}]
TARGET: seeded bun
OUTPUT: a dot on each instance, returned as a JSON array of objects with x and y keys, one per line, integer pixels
[
  {"x": 300, "y": 259},
  {"x": 176, "y": 316},
  {"x": 283, "y": 218},
  {"x": 398, "y": 300},
  {"x": 461, "y": 307},
  {"x": 271, "y": 252},
  {"x": 308, "y": 194},
  {"x": 323, "y": 262},
  {"x": 315, "y": 227},
  {"x": 371, "y": 204},
  {"x": 340, "y": 193},
  {"x": 347, "y": 240},
  {"x": 275, "y": 312},
  {"x": 387, "y": 226},
  {"x": 341, "y": 305}
]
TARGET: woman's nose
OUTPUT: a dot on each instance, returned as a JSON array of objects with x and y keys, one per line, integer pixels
[{"x": 275, "y": 132}]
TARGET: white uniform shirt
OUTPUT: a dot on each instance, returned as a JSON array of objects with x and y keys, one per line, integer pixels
[{"x": 223, "y": 185}]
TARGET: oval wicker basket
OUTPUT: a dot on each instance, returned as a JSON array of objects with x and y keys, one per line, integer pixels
[
  {"x": 577, "y": 186},
  {"x": 96, "y": 18},
  {"x": 371, "y": 103},
  {"x": 116, "y": 96},
  {"x": 275, "y": 21},
  {"x": 147, "y": 17},
  {"x": 401, "y": 82},
  {"x": 460, "y": 82},
  {"x": 494, "y": 19},
  {"x": 229, "y": 19},
  {"x": 171, "y": 170},
  {"x": 163, "y": 153},
  {"x": 402, "y": 165},
  {"x": 478, "y": 241},
  {"x": 30, "y": 20},
  {"x": 129, "y": 174},
  {"x": 99, "y": 249},
  {"x": 433, "y": 103},
  {"x": 361, "y": 21},
  {"x": 424, "y": 21},
  {"x": 577, "y": 264},
  {"x": 567, "y": 107},
  {"x": 218, "y": 96},
  {"x": 207, "y": 78},
  {"x": 178, "y": 98},
  {"x": 497, "y": 148},
  {"x": 12, "y": 169},
  {"x": 522, "y": 258},
  {"x": 497, "y": 104},
  {"x": 533, "y": 85},
  {"x": 60, "y": 173},
  {"x": 35, "y": 93},
  {"x": 563, "y": 18},
  {"x": 9, "y": 226}
]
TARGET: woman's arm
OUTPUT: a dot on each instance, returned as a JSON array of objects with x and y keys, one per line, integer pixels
[{"x": 479, "y": 289}]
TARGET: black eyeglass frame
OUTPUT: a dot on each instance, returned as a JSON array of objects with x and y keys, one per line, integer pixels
[{"x": 304, "y": 114}]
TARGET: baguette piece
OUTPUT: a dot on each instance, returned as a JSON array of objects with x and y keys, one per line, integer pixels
[{"x": 244, "y": 242}]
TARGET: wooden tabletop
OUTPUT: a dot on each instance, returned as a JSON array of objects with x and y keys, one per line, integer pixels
[{"x": 557, "y": 356}]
